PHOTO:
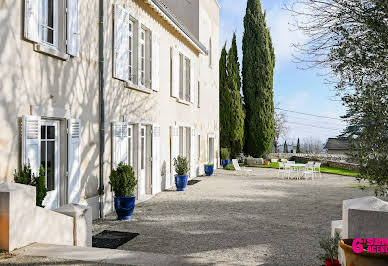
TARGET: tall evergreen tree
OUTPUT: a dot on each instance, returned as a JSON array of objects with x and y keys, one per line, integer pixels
[
  {"x": 224, "y": 101},
  {"x": 285, "y": 147},
  {"x": 298, "y": 147},
  {"x": 257, "y": 73},
  {"x": 236, "y": 111}
]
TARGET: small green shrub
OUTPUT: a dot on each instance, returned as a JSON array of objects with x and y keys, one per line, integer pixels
[
  {"x": 26, "y": 177},
  {"x": 181, "y": 165},
  {"x": 209, "y": 164},
  {"x": 230, "y": 167},
  {"x": 330, "y": 248},
  {"x": 123, "y": 181},
  {"x": 225, "y": 154}
]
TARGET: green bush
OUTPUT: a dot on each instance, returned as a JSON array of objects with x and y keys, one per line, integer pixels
[
  {"x": 330, "y": 248},
  {"x": 230, "y": 167},
  {"x": 123, "y": 181},
  {"x": 225, "y": 154},
  {"x": 181, "y": 165},
  {"x": 26, "y": 177}
]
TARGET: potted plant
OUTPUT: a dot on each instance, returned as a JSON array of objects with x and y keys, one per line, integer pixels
[
  {"x": 330, "y": 248},
  {"x": 181, "y": 168},
  {"x": 225, "y": 157},
  {"x": 209, "y": 169},
  {"x": 123, "y": 182}
]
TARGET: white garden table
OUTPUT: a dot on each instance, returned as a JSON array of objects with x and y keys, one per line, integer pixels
[{"x": 298, "y": 167}]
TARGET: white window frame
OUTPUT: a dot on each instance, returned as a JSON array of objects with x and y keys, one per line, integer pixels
[
  {"x": 43, "y": 25},
  {"x": 130, "y": 145},
  {"x": 142, "y": 59},
  {"x": 131, "y": 51},
  {"x": 184, "y": 94}
]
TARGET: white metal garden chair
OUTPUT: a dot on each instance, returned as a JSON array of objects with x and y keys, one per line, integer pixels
[
  {"x": 308, "y": 171},
  {"x": 280, "y": 168},
  {"x": 317, "y": 169},
  {"x": 287, "y": 171}
]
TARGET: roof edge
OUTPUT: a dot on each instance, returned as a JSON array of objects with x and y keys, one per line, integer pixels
[{"x": 197, "y": 44}]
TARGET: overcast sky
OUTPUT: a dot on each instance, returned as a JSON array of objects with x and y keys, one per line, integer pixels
[{"x": 295, "y": 89}]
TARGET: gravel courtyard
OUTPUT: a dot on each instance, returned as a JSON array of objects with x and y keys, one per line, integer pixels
[{"x": 240, "y": 217}]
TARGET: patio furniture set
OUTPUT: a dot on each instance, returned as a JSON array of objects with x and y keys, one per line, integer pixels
[{"x": 291, "y": 169}]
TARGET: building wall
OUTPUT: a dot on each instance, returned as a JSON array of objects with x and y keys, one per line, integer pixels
[{"x": 29, "y": 78}]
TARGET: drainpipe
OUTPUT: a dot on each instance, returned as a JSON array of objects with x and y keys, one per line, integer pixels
[{"x": 102, "y": 105}]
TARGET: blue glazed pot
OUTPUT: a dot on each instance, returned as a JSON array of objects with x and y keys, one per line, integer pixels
[
  {"x": 181, "y": 182},
  {"x": 124, "y": 207},
  {"x": 209, "y": 169},
  {"x": 225, "y": 163}
]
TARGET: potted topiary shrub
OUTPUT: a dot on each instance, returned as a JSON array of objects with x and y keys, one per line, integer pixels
[
  {"x": 209, "y": 169},
  {"x": 225, "y": 157},
  {"x": 123, "y": 182},
  {"x": 26, "y": 177},
  {"x": 330, "y": 247},
  {"x": 181, "y": 168}
]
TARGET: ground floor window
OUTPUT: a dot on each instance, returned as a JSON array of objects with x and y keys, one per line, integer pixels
[{"x": 49, "y": 152}]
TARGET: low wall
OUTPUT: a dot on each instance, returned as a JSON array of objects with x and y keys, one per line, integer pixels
[
  {"x": 23, "y": 223},
  {"x": 325, "y": 162},
  {"x": 312, "y": 156}
]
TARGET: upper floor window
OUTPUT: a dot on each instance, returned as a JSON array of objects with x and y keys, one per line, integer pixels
[
  {"x": 54, "y": 25},
  {"x": 136, "y": 52},
  {"x": 182, "y": 76}
]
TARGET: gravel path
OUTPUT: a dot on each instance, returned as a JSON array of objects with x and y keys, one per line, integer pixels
[{"x": 240, "y": 217}]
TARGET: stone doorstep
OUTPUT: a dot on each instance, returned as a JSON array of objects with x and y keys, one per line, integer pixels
[{"x": 105, "y": 256}]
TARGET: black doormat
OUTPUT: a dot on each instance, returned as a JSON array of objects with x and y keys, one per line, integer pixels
[
  {"x": 112, "y": 239},
  {"x": 193, "y": 182}
]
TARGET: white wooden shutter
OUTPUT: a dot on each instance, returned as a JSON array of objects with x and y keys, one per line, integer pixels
[
  {"x": 155, "y": 61},
  {"x": 174, "y": 146},
  {"x": 73, "y": 27},
  {"x": 175, "y": 73},
  {"x": 156, "y": 175},
  {"x": 119, "y": 143},
  {"x": 121, "y": 43},
  {"x": 193, "y": 153},
  {"x": 192, "y": 81},
  {"x": 74, "y": 160},
  {"x": 31, "y": 127},
  {"x": 31, "y": 20}
]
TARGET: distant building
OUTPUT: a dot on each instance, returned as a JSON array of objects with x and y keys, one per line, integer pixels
[{"x": 337, "y": 146}]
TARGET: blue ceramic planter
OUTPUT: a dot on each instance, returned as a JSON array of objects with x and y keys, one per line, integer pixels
[
  {"x": 181, "y": 182},
  {"x": 124, "y": 207},
  {"x": 225, "y": 163},
  {"x": 209, "y": 169}
]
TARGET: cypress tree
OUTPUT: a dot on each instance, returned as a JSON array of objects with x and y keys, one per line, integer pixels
[
  {"x": 224, "y": 104},
  {"x": 285, "y": 147},
  {"x": 235, "y": 107},
  {"x": 257, "y": 73},
  {"x": 298, "y": 147}
]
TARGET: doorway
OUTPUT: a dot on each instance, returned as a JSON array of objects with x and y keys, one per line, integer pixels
[{"x": 50, "y": 160}]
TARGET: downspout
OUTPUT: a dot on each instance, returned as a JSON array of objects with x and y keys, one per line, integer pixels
[{"x": 102, "y": 105}]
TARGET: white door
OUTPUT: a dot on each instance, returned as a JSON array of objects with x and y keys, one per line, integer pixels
[
  {"x": 49, "y": 157},
  {"x": 143, "y": 150},
  {"x": 130, "y": 145},
  {"x": 211, "y": 150}
]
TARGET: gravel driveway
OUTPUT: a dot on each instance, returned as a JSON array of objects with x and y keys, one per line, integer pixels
[{"x": 240, "y": 218}]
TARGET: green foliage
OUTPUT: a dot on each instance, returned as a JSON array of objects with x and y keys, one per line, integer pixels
[
  {"x": 181, "y": 165},
  {"x": 330, "y": 248},
  {"x": 298, "y": 150},
  {"x": 230, "y": 167},
  {"x": 224, "y": 154},
  {"x": 257, "y": 71},
  {"x": 209, "y": 164},
  {"x": 285, "y": 147},
  {"x": 123, "y": 181},
  {"x": 40, "y": 184},
  {"x": 231, "y": 107},
  {"x": 26, "y": 177}
]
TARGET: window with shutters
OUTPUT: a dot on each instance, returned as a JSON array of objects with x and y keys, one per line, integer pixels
[
  {"x": 53, "y": 26},
  {"x": 184, "y": 78},
  {"x": 130, "y": 51}
]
